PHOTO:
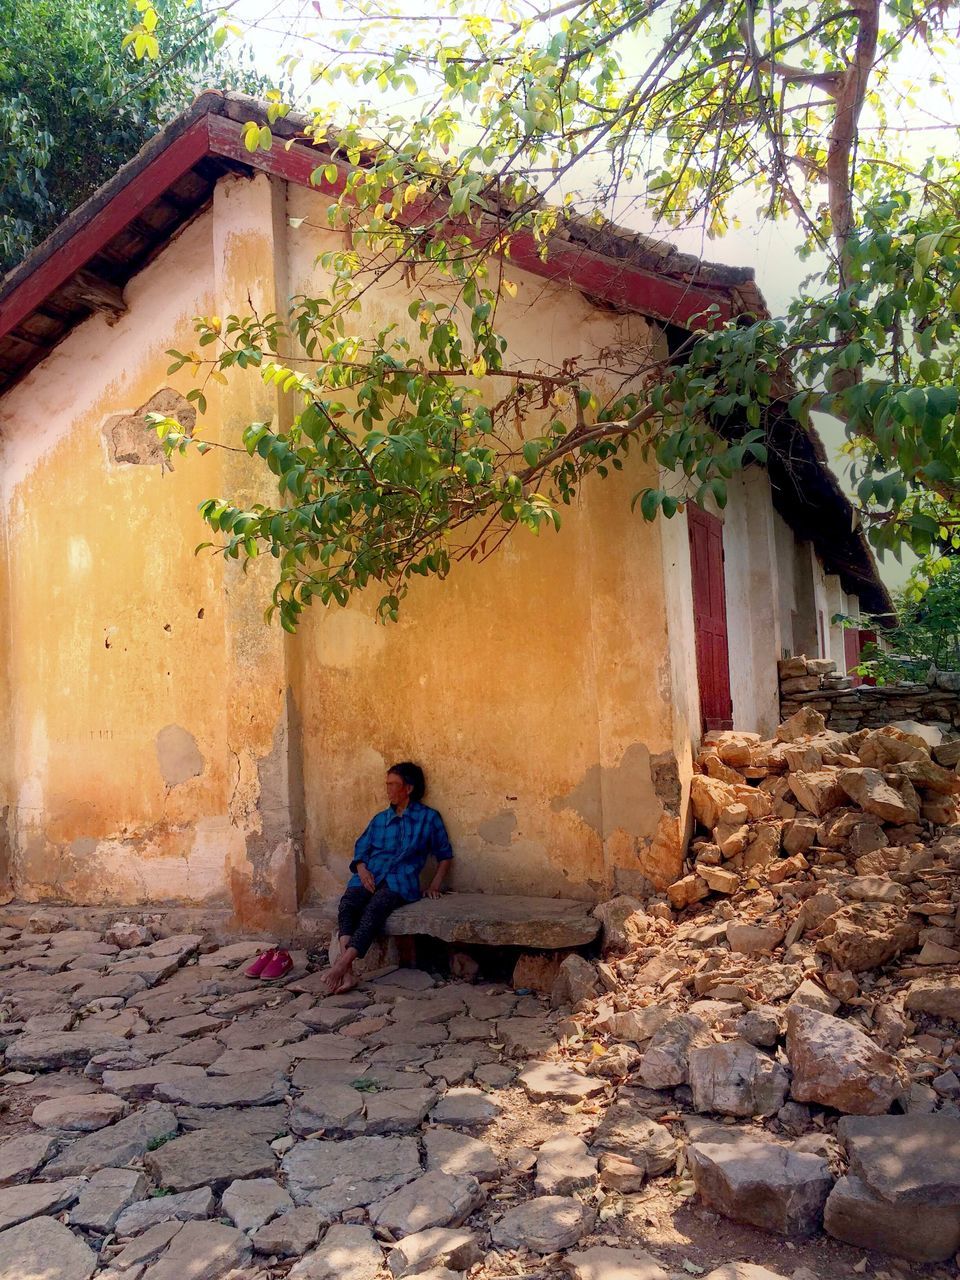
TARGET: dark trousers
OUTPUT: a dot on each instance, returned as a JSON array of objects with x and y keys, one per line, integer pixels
[{"x": 361, "y": 915}]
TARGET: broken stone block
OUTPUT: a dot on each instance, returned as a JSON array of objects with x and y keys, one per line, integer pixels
[
  {"x": 865, "y": 936},
  {"x": 936, "y": 953},
  {"x": 759, "y": 1026},
  {"x": 576, "y": 980},
  {"x": 623, "y": 921},
  {"x": 615, "y": 1063},
  {"x": 60, "y": 1049},
  {"x": 291, "y": 1234},
  {"x": 458, "y": 1153},
  {"x": 43, "y": 1247},
  {"x": 761, "y": 1183},
  {"x": 105, "y": 1197},
  {"x": 115, "y": 1145},
  {"x": 78, "y": 1113},
  {"x": 665, "y": 1064},
  {"x": 250, "y": 1203},
  {"x": 718, "y": 879},
  {"x": 556, "y": 1082},
  {"x": 836, "y": 1065},
  {"x": 465, "y": 1108},
  {"x": 760, "y": 938},
  {"x": 201, "y": 1251},
  {"x": 683, "y": 893},
  {"x": 813, "y": 996},
  {"x": 209, "y": 1158},
  {"x": 438, "y": 1247},
  {"x": 818, "y": 792},
  {"x": 347, "y": 1253},
  {"x": 545, "y": 1224},
  {"x": 736, "y": 1079},
  {"x": 602, "y": 1262},
  {"x": 21, "y": 1157},
  {"x": 905, "y": 1159},
  {"x": 921, "y": 1233},
  {"x": 866, "y": 838},
  {"x": 17, "y": 1204},
  {"x": 937, "y": 996},
  {"x": 564, "y": 1166},
  {"x": 617, "y": 1173},
  {"x": 435, "y": 1199},
  {"x": 144, "y": 1216},
  {"x": 625, "y": 1131},
  {"x": 868, "y": 789},
  {"x": 708, "y": 798}
]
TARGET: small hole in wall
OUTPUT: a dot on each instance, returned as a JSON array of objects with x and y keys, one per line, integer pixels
[
  {"x": 199, "y": 613},
  {"x": 167, "y": 626},
  {"x": 106, "y": 643}
]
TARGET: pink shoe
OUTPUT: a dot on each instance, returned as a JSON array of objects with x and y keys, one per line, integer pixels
[
  {"x": 280, "y": 962},
  {"x": 257, "y": 965}
]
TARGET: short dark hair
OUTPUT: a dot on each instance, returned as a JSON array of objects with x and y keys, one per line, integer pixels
[{"x": 412, "y": 775}]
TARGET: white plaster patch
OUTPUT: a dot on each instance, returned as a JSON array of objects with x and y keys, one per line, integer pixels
[{"x": 79, "y": 558}]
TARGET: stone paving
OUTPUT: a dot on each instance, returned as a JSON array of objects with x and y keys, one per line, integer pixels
[{"x": 166, "y": 1118}]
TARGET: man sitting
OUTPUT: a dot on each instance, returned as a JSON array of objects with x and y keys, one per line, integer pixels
[{"x": 387, "y": 862}]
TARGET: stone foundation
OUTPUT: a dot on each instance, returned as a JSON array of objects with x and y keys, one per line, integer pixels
[{"x": 815, "y": 683}]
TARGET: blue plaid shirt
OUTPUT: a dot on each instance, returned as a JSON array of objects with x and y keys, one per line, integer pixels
[{"x": 395, "y": 847}]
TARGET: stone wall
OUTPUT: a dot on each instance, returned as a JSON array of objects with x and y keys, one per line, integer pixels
[{"x": 815, "y": 683}]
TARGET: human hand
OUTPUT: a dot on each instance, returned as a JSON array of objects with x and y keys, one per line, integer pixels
[
  {"x": 366, "y": 877},
  {"x": 435, "y": 891}
]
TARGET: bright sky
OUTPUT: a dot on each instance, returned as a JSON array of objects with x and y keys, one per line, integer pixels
[{"x": 926, "y": 123}]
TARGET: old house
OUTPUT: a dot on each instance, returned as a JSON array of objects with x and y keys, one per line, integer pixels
[{"x": 159, "y": 743}]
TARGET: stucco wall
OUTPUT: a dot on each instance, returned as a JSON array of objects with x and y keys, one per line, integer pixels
[{"x": 535, "y": 688}]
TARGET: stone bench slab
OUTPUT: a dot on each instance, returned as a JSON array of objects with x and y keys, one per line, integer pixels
[{"x": 500, "y": 920}]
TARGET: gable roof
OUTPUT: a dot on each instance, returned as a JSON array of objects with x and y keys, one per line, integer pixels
[{"x": 85, "y": 264}]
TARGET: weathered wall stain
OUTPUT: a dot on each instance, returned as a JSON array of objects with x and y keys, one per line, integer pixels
[
  {"x": 499, "y": 828},
  {"x": 178, "y": 755}
]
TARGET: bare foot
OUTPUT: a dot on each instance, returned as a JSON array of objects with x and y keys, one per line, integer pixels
[
  {"x": 348, "y": 983},
  {"x": 335, "y": 976}
]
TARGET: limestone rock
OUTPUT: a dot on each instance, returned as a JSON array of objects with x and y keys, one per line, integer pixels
[
  {"x": 708, "y": 798},
  {"x": 21, "y": 1157},
  {"x": 143, "y": 1082},
  {"x": 625, "y": 1131},
  {"x": 665, "y": 1062},
  {"x": 805, "y": 723},
  {"x": 43, "y": 1248},
  {"x": 201, "y": 1251},
  {"x": 719, "y": 879},
  {"x": 555, "y": 1082},
  {"x": 17, "y": 1204},
  {"x": 331, "y": 1109},
  {"x": 336, "y": 1176},
  {"x": 683, "y": 893},
  {"x": 922, "y": 1233},
  {"x": 868, "y": 789},
  {"x": 836, "y": 1065},
  {"x": 105, "y": 1197},
  {"x": 79, "y": 1113},
  {"x": 937, "y": 996},
  {"x": 346, "y": 1253},
  {"x": 394, "y": 1111},
  {"x": 576, "y": 980},
  {"x": 818, "y": 792},
  {"x": 617, "y": 1173},
  {"x": 623, "y": 921},
  {"x": 736, "y": 1079},
  {"x": 117, "y": 1144},
  {"x": 545, "y": 1224},
  {"x": 465, "y": 1108},
  {"x": 865, "y": 935},
  {"x": 60, "y": 1049},
  {"x": 637, "y": 1025},
  {"x": 760, "y": 938},
  {"x": 434, "y": 1200},
  {"x": 564, "y": 1166},
  {"x": 615, "y": 1063},
  {"x": 536, "y": 971},
  {"x": 499, "y": 920},
  {"x": 458, "y": 1153},
  {"x": 247, "y": 1089},
  {"x": 249, "y": 1203},
  {"x": 601, "y": 1262},
  {"x": 761, "y": 1183},
  {"x": 813, "y": 996},
  {"x": 290, "y": 1235},
  {"x": 912, "y": 1159},
  {"x": 145, "y": 1215},
  {"x": 209, "y": 1158},
  {"x": 436, "y": 1247}
]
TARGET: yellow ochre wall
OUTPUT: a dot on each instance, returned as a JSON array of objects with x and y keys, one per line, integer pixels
[{"x": 165, "y": 745}]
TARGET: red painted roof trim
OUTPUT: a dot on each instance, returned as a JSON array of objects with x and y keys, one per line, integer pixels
[
  {"x": 616, "y": 282},
  {"x": 172, "y": 163}
]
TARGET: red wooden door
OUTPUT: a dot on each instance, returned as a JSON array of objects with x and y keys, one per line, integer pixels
[
  {"x": 851, "y": 652},
  {"x": 710, "y": 618}
]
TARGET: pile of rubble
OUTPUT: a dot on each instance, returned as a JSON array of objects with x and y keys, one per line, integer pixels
[{"x": 796, "y": 1023}]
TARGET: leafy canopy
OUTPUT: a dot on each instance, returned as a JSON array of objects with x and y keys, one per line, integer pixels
[
  {"x": 414, "y": 449},
  {"x": 76, "y": 101}
]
